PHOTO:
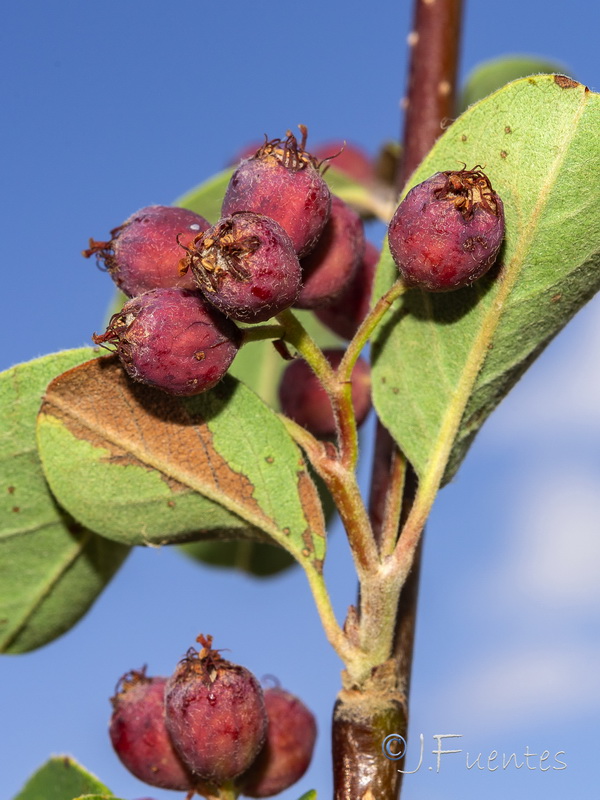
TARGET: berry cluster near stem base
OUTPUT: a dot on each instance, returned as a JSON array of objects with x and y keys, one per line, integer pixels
[{"x": 215, "y": 714}]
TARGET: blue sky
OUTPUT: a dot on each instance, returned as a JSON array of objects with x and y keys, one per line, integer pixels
[{"x": 109, "y": 107}]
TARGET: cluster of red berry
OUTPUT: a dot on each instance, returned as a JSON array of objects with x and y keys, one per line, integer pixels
[
  {"x": 283, "y": 240},
  {"x": 211, "y": 724}
]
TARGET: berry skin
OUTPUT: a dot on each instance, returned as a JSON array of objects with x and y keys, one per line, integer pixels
[
  {"x": 174, "y": 340},
  {"x": 346, "y": 312},
  {"x": 331, "y": 265},
  {"x": 144, "y": 252},
  {"x": 347, "y": 158},
  {"x": 304, "y": 400},
  {"x": 215, "y": 714},
  {"x": 246, "y": 266},
  {"x": 288, "y": 749},
  {"x": 447, "y": 231},
  {"x": 138, "y": 734},
  {"x": 283, "y": 182}
]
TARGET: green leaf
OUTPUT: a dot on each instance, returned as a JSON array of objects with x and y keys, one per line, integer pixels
[
  {"x": 62, "y": 778},
  {"x": 160, "y": 469},
  {"x": 255, "y": 558},
  {"x": 442, "y": 362},
  {"x": 51, "y": 569},
  {"x": 260, "y": 366},
  {"x": 311, "y": 795},
  {"x": 495, "y": 73}
]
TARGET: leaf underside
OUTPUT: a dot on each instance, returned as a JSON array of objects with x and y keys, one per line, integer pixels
[
  {"x": 442, "y": 362},
  {"x": 51, "y": 568},
  {"x": 160, "y": 469}
]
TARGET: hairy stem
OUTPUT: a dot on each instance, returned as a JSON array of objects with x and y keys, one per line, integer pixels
[{"x": 364, "y": 715}]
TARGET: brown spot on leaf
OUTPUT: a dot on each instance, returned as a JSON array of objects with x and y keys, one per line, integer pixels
[
  {"x": 16, "y": 509},
  {"x": 556, "y": 298},
  {"x": 463, "y": 138},
  {"x": 306, "y": 552},
  {"x": 137, "y": 425},
  {"x": 286, "y": 531},
  {"x": 313, "y": 511},
  {"x": 507, "y": 129},
  {"x": 565, "y": 83},
  {"x": 11, "y": 489},
  {"x": 503, "y": 153},
  {"x": 171, "y": 503},
  {"x": 395, "y": 390},
  {"x": 270, "y": 460}
]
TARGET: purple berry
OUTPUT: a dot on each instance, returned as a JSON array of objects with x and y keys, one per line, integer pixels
[
  {"x": 246, "y": 266},
  {"x": 447, "y": 231},
  {"x": 215, "y": 714},
  {"x": 331, "y": 265},
  {"x": 174, "y": 340},
  {"x": 287, "y": 752},
  {"x": 283, "y": 182},
  {"x": 144, "y": 252},
  {"x": 138, "y": 733},
  {"x": 304, "y": 400},
  {"x": 346, "y": 312}
]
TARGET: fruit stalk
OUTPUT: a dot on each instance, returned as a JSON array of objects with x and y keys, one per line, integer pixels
[{"x": 360, "y": 769}]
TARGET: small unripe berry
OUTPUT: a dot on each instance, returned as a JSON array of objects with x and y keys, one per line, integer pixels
[
  {"x": 331, "y": 265},
  {"x": 246, "y": 266},
  {"x": 447, "y": 231},
  {"x": 174, "y": 340},
  {"x": 144, "y": 252},
  {"x": 346, "y": 312},
  {"x": 304, "y": 400},
  {"x": 283, "y": 182},
  {"x": 215, "y": 714},
  {"x": 139, "y": 736},
  {"x": 287, "y": 752}
]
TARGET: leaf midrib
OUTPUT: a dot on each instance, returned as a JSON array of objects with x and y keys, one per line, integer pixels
[{"x": 448, "y": 429}]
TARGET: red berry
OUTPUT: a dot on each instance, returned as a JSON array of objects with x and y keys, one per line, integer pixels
[
  {"x": 283, "y": 182},
  {"x": 215, "y": 714},
  {"x": 347, "y": 311},
  {"x": 246, "y": 266},
  {"x": 174, "y": 340},
  {"x": 331, "y": 265},
  {"x": 304, "y": 400},
  {"x": 138, "y": 733},
  {"x": 447, "y": 231},
  {"x": 288, "y": 749},
  {"x": 144, "y": 252},
  {"x": 347, "y": 158}
]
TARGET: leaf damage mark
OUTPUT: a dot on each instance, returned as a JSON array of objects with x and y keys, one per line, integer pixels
[
  {"x": 139, "y": 426},
  {"x": 565, "y": 82}
]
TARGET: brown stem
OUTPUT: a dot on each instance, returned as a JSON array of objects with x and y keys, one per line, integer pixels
[
  {"x": 434, "y": 43},
  {"x": 364, "y": 715}
]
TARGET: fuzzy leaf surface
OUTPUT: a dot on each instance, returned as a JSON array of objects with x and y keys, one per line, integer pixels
[
  {"x": 495, "y": 73},
  {"x": 62, "y": 778},
  {"x": 160, "y": 469},
  {"x": 442, "y": 362},
  {"x": 51, "y": 569}
]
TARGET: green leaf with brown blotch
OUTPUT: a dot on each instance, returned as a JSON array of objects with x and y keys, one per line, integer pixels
[
  {"x": 442, "y": 362},
  {"x": 62, "y": 778},
  {"x": 160, "y": 469},
  {"x": 51, "y": 569}
]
